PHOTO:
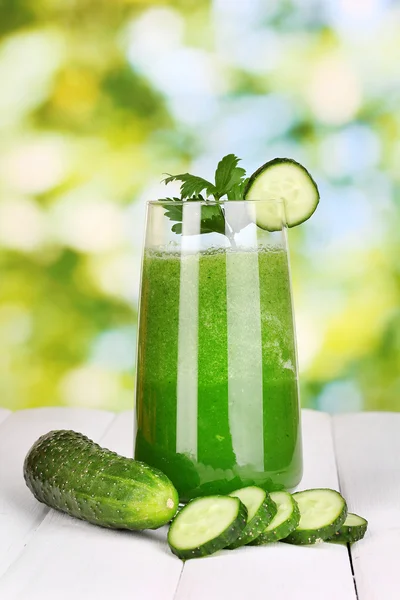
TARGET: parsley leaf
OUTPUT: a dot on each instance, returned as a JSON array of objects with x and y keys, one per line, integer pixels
[
  {"x": 230, "y": 181},
  {"x": 191, "y": 185},
  {"x": 173, "y": 212},
  {"x": 228, "y": 174},
  {"x": 212, "y": 218},
  {"x": 237, "y": 190}
]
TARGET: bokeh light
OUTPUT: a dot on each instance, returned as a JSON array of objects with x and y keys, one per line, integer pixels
[{"x": 97, "y": 104}]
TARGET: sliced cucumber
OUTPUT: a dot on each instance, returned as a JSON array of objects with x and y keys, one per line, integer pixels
[
  {"x": 287, "y": 180},
  {"x": 352, "y": 530},
  {"x": 261, "y": 509},
  {"x": 285, "y": 521},
  {"x": 322, "y": 513},
  {"x": 206, "y": 525}
]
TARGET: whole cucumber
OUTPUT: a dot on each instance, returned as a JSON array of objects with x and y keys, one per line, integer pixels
[{"x": 71, "y": 473}]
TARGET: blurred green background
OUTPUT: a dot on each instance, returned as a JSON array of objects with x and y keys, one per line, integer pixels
[{"x": 99, "y": 98}]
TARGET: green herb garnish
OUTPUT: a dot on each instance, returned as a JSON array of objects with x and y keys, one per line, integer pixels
[
  {"x": 212, "y": 216},
  {"x": 230, "y": 181},
  {"x": 279, "y": 179}
]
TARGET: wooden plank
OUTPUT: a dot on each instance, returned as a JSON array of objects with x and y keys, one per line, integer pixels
[
  {"x": 277, "y": 571},
  {"x": 20, "y": 513},
  {"x": 318, "y": 452},
  {"x": 119, "y": 437},
  {"x": 368, "y": 451},
  {"x": 68, "y": 558},
  {"x": 4, "y": 413},
  {"x": 280, "y": 571}
]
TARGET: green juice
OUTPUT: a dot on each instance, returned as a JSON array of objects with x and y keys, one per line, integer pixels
[{"x": 217, "y": 392}]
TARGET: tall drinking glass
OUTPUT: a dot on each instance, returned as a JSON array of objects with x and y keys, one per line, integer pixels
[{"x": 217, "y": 402}]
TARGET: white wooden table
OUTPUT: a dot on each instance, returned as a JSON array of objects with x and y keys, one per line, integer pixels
[{"x": 47, "y": 555}]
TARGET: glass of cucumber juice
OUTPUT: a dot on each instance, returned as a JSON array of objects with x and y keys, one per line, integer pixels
[{"x": 217, "y": 401}]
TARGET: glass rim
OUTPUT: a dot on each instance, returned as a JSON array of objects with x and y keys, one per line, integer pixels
[{"x": 207, "y": 202}]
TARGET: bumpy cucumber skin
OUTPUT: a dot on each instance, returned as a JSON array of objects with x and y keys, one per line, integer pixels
[
  {"x": 257, "y": 525},
  {"x": 303, "y": 537},
  {"x": 282, "y": 530},
  {"x": 69, "y": 472},
  {"x": 272, "y": 163},
  {"x": 349, "y": 534},
  {"x": 226, "y": 538}
]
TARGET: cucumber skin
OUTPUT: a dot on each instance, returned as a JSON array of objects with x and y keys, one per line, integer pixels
[
  {"x": 282, "y": 531},
  {"x": 222, "y": 541},
  {"x": 349, "y": 534},
  {"x": 304, "y": 537},
  {"x": 280, "y": 161},
  {"x": 257, "y": 525},
  {"x": 71, "y": 473}
]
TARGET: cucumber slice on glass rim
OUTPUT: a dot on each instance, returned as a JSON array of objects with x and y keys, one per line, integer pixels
[
  {"x": 261, "y": 509},
  {"x": 206, "y": 525},
  {"x": 322, "y": 514},
  {"x": 286, "y": 180},
  {"x": 285, "y": 521},
  {"x": 352, "y": 530}
]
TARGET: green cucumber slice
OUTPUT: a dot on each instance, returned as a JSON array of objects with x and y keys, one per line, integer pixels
[
  {"x": 206, "y": 525},
  {"x": 352, "y": 530},
  {"x": 285, "y": 521},
  {"x": 322, "y": 513},
  {"x": 287, "y": 180},
  {"x": 261, "y": 509}
]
